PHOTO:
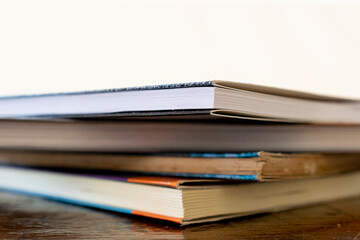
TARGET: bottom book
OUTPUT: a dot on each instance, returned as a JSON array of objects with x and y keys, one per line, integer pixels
[{"x": 184, "y": 201}]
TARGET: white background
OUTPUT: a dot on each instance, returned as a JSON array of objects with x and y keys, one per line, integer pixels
[{"x": 67, "y": 45}]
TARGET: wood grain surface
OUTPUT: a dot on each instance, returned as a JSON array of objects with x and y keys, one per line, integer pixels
[{"x": 23, "y": 217}]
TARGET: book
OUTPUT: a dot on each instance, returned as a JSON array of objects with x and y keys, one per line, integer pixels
[
  {"x": 218, "y": 98},
  {"x": 176, "y": 136},
  {"x": 183, "y": 201},
  {"x": 252, "y": 166}
]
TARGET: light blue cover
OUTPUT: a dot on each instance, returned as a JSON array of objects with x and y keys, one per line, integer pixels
[{"x": 70, "y": 201}]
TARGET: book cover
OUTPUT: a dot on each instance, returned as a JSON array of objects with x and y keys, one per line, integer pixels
[{"x": 180, "y": 200}]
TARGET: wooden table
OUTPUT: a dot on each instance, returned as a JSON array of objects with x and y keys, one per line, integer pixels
[{"x": 23, "y": 217}]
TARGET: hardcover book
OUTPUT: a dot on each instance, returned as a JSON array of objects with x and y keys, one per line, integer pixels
[
  {"x": 215, "y": 98},
  {"x": 175, "y": 136},
  {"x": 252, "y": 166},
  {"x": 183, "y": 201}
]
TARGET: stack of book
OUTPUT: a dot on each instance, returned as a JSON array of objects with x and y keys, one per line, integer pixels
[{"x": 187, "y": 153}]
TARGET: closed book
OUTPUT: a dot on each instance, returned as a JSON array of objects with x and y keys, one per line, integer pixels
[
  {"x": 252, "y": 166},
  {"x": 210, "y": 98},
  {"x": 175, "y": 136},
  {"x": 183, "y": 201}
]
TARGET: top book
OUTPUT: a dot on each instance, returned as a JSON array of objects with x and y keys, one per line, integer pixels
[{"x": 211, "y": 98}]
